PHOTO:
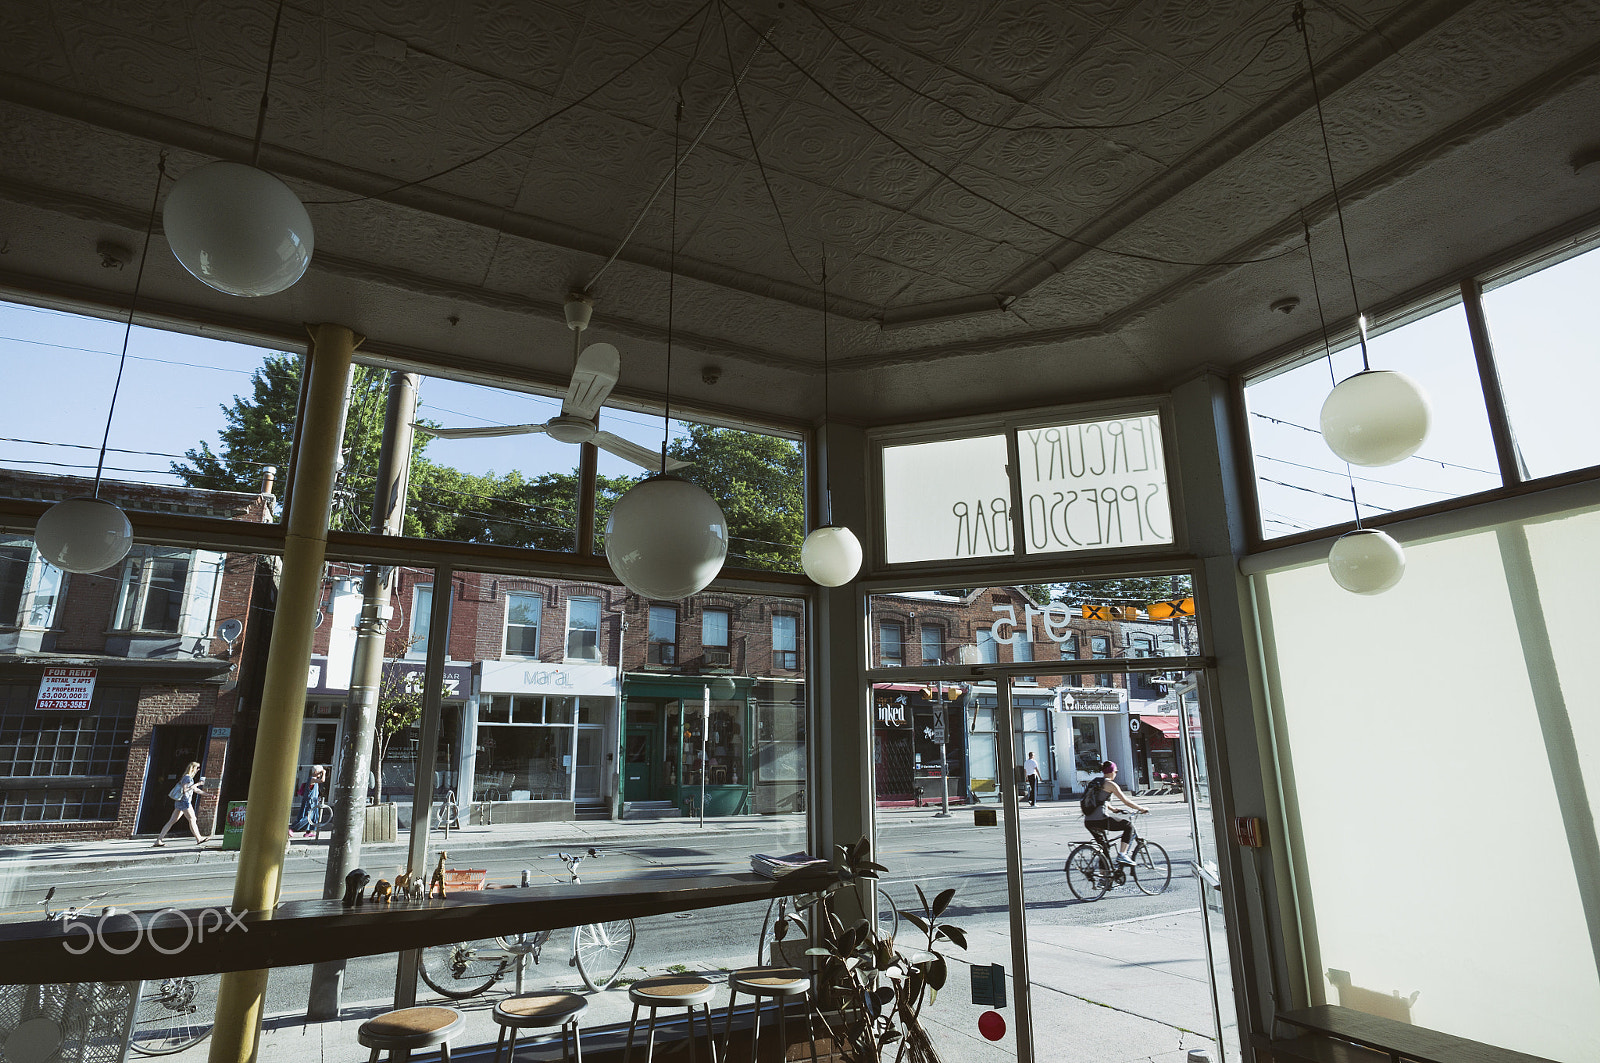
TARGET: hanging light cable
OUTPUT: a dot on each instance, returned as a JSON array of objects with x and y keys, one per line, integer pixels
[
  {"x": 667, "y": 538},
  {"x": 1377, "y": 417},
  {"x": 92, "y": 534},
  {"x": 831, "y": 555}
]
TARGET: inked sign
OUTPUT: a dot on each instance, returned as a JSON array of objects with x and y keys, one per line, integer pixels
[{"x": 1095, "y": 485}]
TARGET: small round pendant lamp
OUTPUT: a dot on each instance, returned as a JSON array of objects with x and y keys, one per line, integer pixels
[
  {"x": 666, "y": 538},
  {"x": 831, "y": 555},
  {"x": 1377, "y": 417},
  {"x": 238, "y": 229},
  {"x": 83, "y": 535},
  {"x": 1366, "y": 561}
]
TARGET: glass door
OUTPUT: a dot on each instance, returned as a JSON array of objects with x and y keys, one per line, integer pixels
[{"x": 1196, "y": 788}]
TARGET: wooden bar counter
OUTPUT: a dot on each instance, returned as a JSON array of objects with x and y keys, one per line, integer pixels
[{"x": 161, "y": 943}]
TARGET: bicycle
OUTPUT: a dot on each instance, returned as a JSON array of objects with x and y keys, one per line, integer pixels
[
  {"x": 599, "y": 951},
  {"x": 1093, "y": 871},
  {"x": 171, "y": 1014}
]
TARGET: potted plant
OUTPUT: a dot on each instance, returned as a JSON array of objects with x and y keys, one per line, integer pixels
[{"x": 873, "y": 986}]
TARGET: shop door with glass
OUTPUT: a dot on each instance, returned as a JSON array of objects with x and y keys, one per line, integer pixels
[{"x": 639, "y": 762}]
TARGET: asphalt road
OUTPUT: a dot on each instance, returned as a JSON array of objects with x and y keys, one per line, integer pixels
[{"x": 937, "y": 853}]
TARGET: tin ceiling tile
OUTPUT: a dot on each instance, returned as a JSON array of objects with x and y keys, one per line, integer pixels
[{"x": 1020, "y": 44}]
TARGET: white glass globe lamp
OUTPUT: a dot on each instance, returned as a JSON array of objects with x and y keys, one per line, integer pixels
[
  {"x": 83, "y": 535},
  {"x": 666, "y": 538},
  {"x": 1366, "y": 562},
  {"x": 1377, "y": 417},
  {"x": 238, "y": 229},
  {"x": 831, "y": 556}
]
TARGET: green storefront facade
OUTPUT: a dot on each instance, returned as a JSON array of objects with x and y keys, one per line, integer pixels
[{"x": 739, "y": 741}]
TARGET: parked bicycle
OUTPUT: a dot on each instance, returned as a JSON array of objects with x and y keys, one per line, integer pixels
[
  {"x": 599, "y": 951},
  {"x": 1092, "y": 868},
  {"x": 171, "y": 1014}
]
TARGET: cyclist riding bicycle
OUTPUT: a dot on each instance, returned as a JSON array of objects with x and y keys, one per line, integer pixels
[{"x": 1095, "y": 817}]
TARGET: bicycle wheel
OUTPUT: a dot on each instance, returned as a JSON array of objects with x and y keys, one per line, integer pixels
[
  {"x": 600, "y": 950},
  {"x": 463, "y": 969},
  {"x": 1151, "y": 868},
  {"x": 174, "y": 1013},
  {"x": 1088, "y": 874}
]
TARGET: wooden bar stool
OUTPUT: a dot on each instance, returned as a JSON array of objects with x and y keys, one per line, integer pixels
[
  {"x": 780, "y": 983},
  {"x": 532, "y": 1011},
  {"x": 670, "y": 991},
  {"x": 410, "y": 1029}
]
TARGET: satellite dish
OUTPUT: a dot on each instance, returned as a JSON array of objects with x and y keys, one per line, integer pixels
[{"x": 230, "y": 630}]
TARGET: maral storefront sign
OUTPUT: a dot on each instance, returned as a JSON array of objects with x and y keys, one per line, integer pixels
[
  {"x": 537, "y": 677},
  {"x": 65, "y": 690}
]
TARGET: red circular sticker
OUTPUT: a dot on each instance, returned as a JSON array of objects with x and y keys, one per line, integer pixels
[{"x": 992, "y": 1025}]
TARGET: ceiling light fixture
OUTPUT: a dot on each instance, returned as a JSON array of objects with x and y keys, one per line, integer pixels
[
  {"x": 667, "y": 538},
  {"x": 1376, "y": 417},
  {"x": 831, "y": 555},
  {"x": 92, "y": 534},
  {"x": 237, "y": 228}
]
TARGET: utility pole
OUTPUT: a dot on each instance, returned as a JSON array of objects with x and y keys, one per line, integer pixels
[{"x": 360, "y": 724}]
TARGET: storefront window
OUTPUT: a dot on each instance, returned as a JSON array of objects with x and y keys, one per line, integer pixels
[{"x": 62, "y": 766}]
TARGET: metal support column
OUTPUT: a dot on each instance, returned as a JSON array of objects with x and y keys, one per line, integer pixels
[
  {"x": 258, "y": 880},
  {"x": 1021, "y": 982}
]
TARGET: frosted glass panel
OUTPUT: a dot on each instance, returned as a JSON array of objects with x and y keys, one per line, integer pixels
[
  {"x": 1437, "y": 885},
  {"x": 946, "y": 500},
  {"x": 1095, "y": 485}
]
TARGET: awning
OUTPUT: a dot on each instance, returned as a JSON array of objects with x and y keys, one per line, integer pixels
[{"x": 1167, "y": 725}]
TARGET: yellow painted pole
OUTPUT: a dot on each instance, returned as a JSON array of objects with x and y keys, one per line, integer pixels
[{"x": 237, "y": 1033}]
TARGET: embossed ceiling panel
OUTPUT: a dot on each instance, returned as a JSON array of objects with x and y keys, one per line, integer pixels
[{"x": 473, "y": 159}]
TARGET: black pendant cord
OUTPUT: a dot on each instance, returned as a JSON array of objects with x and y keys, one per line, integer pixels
[
  {"x": 827, "y": 487},
  {"x": 127, "y": 332},
  {"x": 672, "y": 276},
  {"x": 1327, "y": 155},
  {"x": 266, "y": 86},
  {"x": 1327, "y": 350}
]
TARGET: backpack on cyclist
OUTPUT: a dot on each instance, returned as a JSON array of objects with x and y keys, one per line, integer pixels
[{"x": 1094, "y": 795}]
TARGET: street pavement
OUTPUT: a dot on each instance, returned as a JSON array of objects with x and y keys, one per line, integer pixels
[{"x": 1120, "y": 979}]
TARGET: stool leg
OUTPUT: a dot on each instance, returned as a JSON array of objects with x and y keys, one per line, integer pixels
[
  {"x": 511, "y": 1046},
  {"x": 783, "y": 1029},
  {"x": 727, "y": 1026},
  {"x": 811, "y": 1025},
  {"x": 499, "y": 1044},
  {"x": 650, "y": 1047},
  {"x": 444, "y": 1052},
  {"x": 711, "y": 1043},
  {"x": 755, "y": 1034},
  {"x": 577, "y": 1042},
  {"x": 566, "y": 1053},
  {"x": 628, "y": 1048},
  {"x": 374, "y": 1057},
  {"x": 691, "y": 1034}
]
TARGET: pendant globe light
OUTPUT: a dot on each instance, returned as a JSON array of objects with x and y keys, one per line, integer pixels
[
  {"x": 1376, "y": 417},
  {"x": 831, "y": 555},
  {"x": 237, "y": 228},
  {"x": 667, "y": 538},
  {"x": 91, "y": 534}
]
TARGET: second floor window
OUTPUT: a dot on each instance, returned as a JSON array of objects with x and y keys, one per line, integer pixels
[
  {"x": 663, "y": 635},
  {"x": 1141, "y": 646},
  {"x": 988, "y": 648},
  {"x": 168, "y": 589},
  {"x": 714, "y": 637},
  {"x": 421, "y": 619},
  {"x": 891, "y": 645},
  {"x": 932, "y": 644},
  {"x": 29, "y": 585},
  {"x": 1100, "y": 647},
  {"x": 522, "y": 624},
  {"x": 786, "y": 642},
  {"x": 583, "y": 629}
]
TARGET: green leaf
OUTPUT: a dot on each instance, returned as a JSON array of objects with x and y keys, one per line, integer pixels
[
  {"x": 915, "y": 920},
  {"x": 870, "y": 866},
  {"x": 941, "y": 902},
  {"x": 938, "y": 972},
  {"x": 819, "y": 952},
  {"x": 923, "y": 897},
  {"x": 780, "y": 931},
  {"x": 955, "y": 934}
]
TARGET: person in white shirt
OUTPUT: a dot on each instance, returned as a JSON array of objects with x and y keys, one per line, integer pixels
[{"x": 1031, "y": 768}]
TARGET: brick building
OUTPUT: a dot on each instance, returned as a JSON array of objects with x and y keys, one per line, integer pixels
[{"x": 164, "y": 644}]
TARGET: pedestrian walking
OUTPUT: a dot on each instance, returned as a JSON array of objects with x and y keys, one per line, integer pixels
[
  {"x": 1031, "y": 768},
  {"x": 311, "y": 801},
  {"x": 184, "y": 795}
]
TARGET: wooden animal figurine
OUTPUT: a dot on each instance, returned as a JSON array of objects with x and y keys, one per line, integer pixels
[
  {"x": 354, "y": 883},
  {"x": 382, "y": 892},
  {"x": 402, "y": 885},
  {"x": 437, "y": 881}
]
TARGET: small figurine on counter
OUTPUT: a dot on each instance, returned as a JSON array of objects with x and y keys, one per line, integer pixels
[
  {"x": 382, "y": 892},
  {"x": 354, "y": 883},
  {"x": 437, "y": 881},
  {"x": 402, "y": 885}
]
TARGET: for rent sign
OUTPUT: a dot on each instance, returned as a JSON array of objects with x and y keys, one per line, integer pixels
[{"x": 65, "y": 690}]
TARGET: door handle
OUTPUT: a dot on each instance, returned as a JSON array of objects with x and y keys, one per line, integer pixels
[{"x": 1205, "y": 874}]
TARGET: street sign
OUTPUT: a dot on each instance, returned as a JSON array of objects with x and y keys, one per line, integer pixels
[
  {"x": 989, "y": 985},
  {"x": 1133, "y": 724},
  {"x": 65, "y": 690},
  {"x": 1171, "y": 610}
]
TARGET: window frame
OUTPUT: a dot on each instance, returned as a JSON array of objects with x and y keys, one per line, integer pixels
[
  {"x": 599, "y": 618},
  {"x": 537, "y": 626},
  {"x": 717, "y": 654},
  {"x": 417, "y": 646},
  {"x": 922, "y": 642},
  {"x": 885, "y": 660},
  {"x": 786, "y": 658},
  {"x": 135, "y": 593},
  {"x": 21, "y": 618},
  {"x": 661, "y": 651}
]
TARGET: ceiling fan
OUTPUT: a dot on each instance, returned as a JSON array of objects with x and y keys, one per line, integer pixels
[{"x": 594, "y": 374}]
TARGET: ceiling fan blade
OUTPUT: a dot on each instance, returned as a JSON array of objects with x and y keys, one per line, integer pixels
[
  {"x": 482, "y": 433},
  {"x": 628, "y": 450},
  {"x": 593, "y": 377}
]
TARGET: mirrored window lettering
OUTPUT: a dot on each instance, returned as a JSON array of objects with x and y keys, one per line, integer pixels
[
  {"x": 522, "y": 624},
  {"x": 1095, "y": 485},
  {"x": 583, "y": 629},
  {"x": 947, "y": 499}
]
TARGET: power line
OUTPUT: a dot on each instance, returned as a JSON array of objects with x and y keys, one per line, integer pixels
[{"x": 1414, "y": 457}]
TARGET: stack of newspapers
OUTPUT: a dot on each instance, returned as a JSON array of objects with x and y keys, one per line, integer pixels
[{"x": 784, "y": 866}]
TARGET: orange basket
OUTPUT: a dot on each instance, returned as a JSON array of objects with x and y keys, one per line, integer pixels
[{"x": 465, "y": 878}]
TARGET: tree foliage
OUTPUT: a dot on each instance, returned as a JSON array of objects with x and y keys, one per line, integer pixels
[{"x": 759, "y": 481}]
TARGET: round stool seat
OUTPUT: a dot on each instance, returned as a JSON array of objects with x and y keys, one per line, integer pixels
[
  {"x": 411, "y": 1028},
  {"x": 769, "y": 981},
  {"x": 671, "y": 991},
  {"x": 532, "y": 1010}
]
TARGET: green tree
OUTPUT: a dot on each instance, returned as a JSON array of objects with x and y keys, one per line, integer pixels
[{"x": 759, "y": 481}]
